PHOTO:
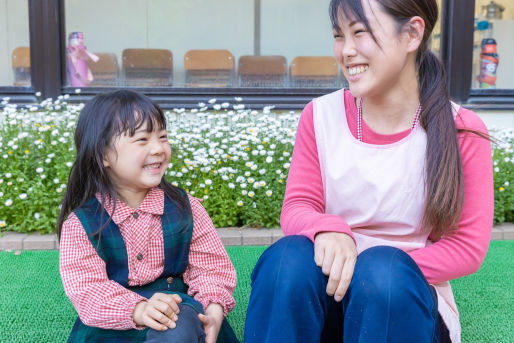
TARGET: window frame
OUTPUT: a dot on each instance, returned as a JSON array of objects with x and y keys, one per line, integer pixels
[{"x": 48, "y": 67}]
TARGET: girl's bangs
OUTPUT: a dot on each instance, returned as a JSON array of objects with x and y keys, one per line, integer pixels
[{"x": 132, "y": 115}]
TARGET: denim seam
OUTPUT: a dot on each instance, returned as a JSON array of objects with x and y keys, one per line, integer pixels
[{"x": 389, "y": 297}]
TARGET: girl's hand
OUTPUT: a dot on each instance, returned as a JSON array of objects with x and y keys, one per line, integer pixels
[
  {"x": 335, "y": 253},
  {"x": 160, "y": 312},
  {"x": 212, "y": 320}
]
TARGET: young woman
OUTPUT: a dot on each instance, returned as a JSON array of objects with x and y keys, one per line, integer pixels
[
  {"x": 389, "y": 195},
  {"x": 139, "y": 259}
]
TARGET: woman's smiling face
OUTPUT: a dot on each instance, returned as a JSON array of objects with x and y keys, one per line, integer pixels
[{"x": 372, "y": 67}]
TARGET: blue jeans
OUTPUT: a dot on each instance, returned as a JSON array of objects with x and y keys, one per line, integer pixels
[
  {"x": 388, "y": 300},
  {"x": 189, "y": 329}
]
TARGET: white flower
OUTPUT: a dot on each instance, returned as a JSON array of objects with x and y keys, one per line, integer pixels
[
  {"x": 38, "y": 94},
  {"x": 8, "y": 175},
  {"x": 205, "y": 197},
  {"x": 269, "y": 192},
  {"x": 251, "y": 194},
  {"x": 46, "y": 161},
  {"x": 8, "y": 202},
  {"x": 43, "y": 176},
  {"x": 217, "y": 107},
  {"x": 243, "y": 185},
  {"x": 287, "y": 165},
  {"x": 174, "y": 183},
  {"x": 23, "y": 196},
  {"x": 238, "y": 99},
  {"x": 56, "y": 180},
  {"x": 262, "y": 171},
  {"x": 244, "y": 192},
  {"x": 247, "y": 173},
  {"x": 212, "y": 101},
  {"x": 269, "y": 159},
  {"x": 69, "y": 164},
  {"x": 39, "y": 170},
  {"x": 1, "y": 194},
  {"x": 239, "y": 203},
  {"x": 36, "y": 215},
  {"x": 497, "y": 169},
  {"x": 208, "y": 182},
  {"x": 231, "y": 185},
  {"x": 77, "y": 91}
]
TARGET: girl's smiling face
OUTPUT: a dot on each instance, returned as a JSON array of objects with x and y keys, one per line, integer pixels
[
  {"x": 137, "y": 163},
  {"x": 373, "y": 67}
]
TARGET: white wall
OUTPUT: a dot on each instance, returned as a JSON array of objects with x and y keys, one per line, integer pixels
[
  {"x": 14, "y": 32},
  {"x": 296, "y": 27}
]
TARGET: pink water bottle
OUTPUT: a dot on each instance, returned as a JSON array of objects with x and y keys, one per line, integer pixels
[{"x": 77, "y": 56}]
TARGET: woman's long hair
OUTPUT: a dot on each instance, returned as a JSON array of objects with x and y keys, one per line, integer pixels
[
  {"x": 104, "y": 118},
  {"x": 444, "y": 185}
]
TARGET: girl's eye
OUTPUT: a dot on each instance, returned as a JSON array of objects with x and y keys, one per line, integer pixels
[
  {"x": 164, "y": 137},
  {"x": 142, "y": 139}
]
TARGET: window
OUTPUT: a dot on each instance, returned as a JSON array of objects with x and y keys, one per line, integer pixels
[
  {"x": 14, "y": 44},
  {"x": 493, "y": 50},
  {"x": 200, "y": 43}
]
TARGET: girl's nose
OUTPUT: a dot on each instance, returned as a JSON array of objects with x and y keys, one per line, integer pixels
[{"x": 156, "y": 147}]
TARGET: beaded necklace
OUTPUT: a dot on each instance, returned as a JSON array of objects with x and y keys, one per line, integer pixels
[{"x": 359, "y": 119}]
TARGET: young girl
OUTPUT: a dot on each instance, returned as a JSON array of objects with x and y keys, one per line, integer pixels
[
  {"x": 389, "y": 196},
  {"x": 139, "y": 259}
]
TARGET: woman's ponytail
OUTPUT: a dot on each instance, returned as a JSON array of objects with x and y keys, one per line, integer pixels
[{"x": 444, "y": 186}]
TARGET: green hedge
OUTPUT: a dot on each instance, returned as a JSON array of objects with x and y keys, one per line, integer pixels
[{"x": 236, "y": 159}]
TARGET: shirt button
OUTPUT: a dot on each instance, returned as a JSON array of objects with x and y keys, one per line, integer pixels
[
  {"x": 169, "y": 280},
  {"x": 135, "y": 215},
  {"x": 139, "y": 257}
]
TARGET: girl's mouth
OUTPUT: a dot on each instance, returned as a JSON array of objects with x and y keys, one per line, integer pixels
[
  {"x": 352, "y": 71},
  {"x": 152, "y": 166}
]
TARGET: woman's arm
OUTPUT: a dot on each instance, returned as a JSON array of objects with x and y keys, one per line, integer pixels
[
  {"x": 99, "y": 301},
  {"x": 303, "y": 211},
  {"x": 462, "y": 252},
  {"x": 210, "y": 275}
]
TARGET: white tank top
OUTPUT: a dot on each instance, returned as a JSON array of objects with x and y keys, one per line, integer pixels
[{"x": 377, "y": 189}]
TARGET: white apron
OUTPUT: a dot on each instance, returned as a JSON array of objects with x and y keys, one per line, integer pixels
[{"x": 377, "y": 189}]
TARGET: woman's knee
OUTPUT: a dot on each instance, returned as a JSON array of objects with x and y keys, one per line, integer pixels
[
  {"x": 383, "y": 273},
  {"x": 288, "y": 263}
]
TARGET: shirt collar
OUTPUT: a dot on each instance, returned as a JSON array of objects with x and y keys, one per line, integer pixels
[{"x": 153, "y": 203}]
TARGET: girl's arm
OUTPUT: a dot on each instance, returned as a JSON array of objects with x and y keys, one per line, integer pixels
[
  {"x": 99, "y": 301},
  {"x": 210, "y": 275},
  {"x": 304, "y": 200},
  {"x": 462, "y": 253}
]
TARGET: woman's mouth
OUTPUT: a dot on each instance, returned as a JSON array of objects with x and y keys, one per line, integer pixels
[{"x": 356, "y": 70}]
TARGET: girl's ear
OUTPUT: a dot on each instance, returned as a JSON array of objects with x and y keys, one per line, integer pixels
[{"x": 415, "y": 29}]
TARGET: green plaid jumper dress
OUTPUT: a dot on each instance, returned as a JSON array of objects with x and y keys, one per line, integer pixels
[{"x": 177, "y": 229}]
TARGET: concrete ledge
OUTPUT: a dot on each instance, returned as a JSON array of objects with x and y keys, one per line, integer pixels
[
  {"x": 230, "y": 236},
  {"x": 12, "y": 241},
  {"x": 40, "y": 242}
]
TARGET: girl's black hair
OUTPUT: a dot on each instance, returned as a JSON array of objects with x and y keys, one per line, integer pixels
[
  {"x": 444, "y": 185},
  {"x": 102, "y": 120}
]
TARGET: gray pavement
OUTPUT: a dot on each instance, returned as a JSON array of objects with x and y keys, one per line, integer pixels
[{"x": 229, "y": 237}]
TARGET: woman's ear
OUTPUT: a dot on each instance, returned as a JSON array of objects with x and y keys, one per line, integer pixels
[{"x": 415, "y": 29}]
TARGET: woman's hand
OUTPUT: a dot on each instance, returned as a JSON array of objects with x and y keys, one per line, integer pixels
[
  {"x": 335, "y": 253},
  {"x": 160, "y": 312},
  {"x": 212, "y": 320}
]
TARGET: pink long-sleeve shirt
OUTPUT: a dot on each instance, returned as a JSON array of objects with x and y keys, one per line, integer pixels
[{"x": 454, "y": 255}]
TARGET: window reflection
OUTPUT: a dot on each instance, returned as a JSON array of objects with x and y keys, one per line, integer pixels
[
  {"x": 14, "y": 40},
  {"x": 493, "y": 48}
]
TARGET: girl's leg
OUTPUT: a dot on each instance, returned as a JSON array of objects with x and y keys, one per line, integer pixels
[
  {"x": 189, "y": 329},
  {"x": 288, "y": 302},
  {"x": 389, "y": 300}
]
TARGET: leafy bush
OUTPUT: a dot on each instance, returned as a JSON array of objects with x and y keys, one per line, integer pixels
[{"x": 233, "y": 158}]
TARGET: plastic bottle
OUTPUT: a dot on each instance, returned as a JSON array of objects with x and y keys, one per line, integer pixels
[{"x": 489, "y": 60}]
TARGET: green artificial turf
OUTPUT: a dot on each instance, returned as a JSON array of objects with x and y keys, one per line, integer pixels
[{"x": 34, "y": 308}]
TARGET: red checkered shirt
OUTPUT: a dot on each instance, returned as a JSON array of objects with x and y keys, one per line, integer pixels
[{"x": 103, "y": 303}]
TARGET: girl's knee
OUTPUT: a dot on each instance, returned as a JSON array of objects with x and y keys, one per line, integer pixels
[{"x": 189, "y": 329}]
